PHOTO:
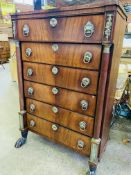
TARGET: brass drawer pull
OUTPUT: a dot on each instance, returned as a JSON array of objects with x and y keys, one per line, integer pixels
[
  {"x": 26, "y": 30},
  {"x": 55, "y": 70},
  {"x": 32, "y": 107},
  {"x": 89, "y": 29},
  {"x": 55, "y": 47},
  {"x": 82, "y": 125},
  {"x": 30, "y": 91},
  {"x": 53, "y": 22},
  {"x": 85, "y": 82},
  {"x": 55, "y": 109},
  {"x": 29, "y": 72},
  {"x": 55, "y": 90},
  {"x": 80, "y": 144},
  {"x": 28, "y": 52},
  {"x": 87, "y": 57},
  {"x": 54, "y": 127},
  {"x": 84, "y": 105},
  {"x": 32, "y": 123}
]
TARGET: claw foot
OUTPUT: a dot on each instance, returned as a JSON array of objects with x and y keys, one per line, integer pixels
[
  {"x": 91, "y": 171},
  {"x": 20, "y": 142}
]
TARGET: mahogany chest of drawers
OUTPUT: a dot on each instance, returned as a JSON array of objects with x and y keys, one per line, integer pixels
[{"x": 68, "y": 61}]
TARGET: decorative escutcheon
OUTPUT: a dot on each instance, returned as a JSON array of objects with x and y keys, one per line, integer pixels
[
  {"x": 87, "y": 57},
  {"x": 85, "y": 82},
  {"x": 53, "y": 22},
  {"x": 32, "y": 123},
  {"x": 55, "y": 70},
  {"x": 32, "y": 107},
  {"x": 55, "y": 47},
  {"x": 28, "y": 52},
  {"x": 29, "y": 72},
  {"x": 26, "y": 30},
  {"x": 83, "y": 125},
  {"x": 89, "y": 29},
  {"x": 84, "y": 105},
  {"x": 30, "y": 91},
  {"x": 55, "y": 109},
  {"x": 80, "y": 144},
  {"x": 54, "y": 127},
  {"x": 55, "y": 90}
]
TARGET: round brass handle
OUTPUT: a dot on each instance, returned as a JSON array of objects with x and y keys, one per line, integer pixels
[
  {"x": 30, "y": 91},
  {"x": 89, "y": 29},
  {"x": 55, "y": 47},
  {"x": 85, "y": 82},
  {"x": 32, "y": 123},
  {"x": 29, "y": 72},
  {"x": 54, "y": 127},
  {"x": 26, "y": 30},
  {"x": 28, "y": 52},
  {"x": 55, "y": 70},
  {"x": 80, "y": 144},
  {"x": 55, "y": 109},
  {"x": 82, "y": 125},
  {"x": 32, "y": 107},
  {"x": 55, "y": 90},
  {"x": 53, "y": 22},
  {"x": 87, "y": 57},
  {"x": 84, "y": 105}
]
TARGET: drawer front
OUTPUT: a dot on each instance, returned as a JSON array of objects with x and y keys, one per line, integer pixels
[
  {"x": 68, "y": 29},
  {"x": 59, "y": 134},
  {"x": 72, "y": 55},
  {"x": 71, "y": 100},
  {"x": 74, "y": 79},
  {"x": 66, "y": 118}
]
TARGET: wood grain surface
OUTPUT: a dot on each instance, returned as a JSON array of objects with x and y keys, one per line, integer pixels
[
  {"x": 68, "y": 29},
  {"x": 68, "y": 78},
  {"x": 71, "y": 55},
  {"x": 62, "y": 135},
  {"x": 63, "y": 117},
  {"x": 65, "y": 98}
]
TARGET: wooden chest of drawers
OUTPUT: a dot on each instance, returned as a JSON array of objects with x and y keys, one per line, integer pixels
[{"x": 68, "y": 61}]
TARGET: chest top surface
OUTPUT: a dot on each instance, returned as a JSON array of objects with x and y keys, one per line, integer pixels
[{"x": 89, "y": 8}]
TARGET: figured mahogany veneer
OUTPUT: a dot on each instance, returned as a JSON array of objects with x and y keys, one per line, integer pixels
[
  {"x": 66, "y": 77},
  {"x": 71, "y": 55},
  {"x": 62, "y": 135},
  {"x": 63, "y": 117},
  {"x": 65, "y": 98},
  {"x": 68, "y": 29},
  {"x": 51, "y": 72}
]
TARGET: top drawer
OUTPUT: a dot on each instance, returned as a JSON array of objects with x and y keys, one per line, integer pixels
[{"x": 69, "y": 29}]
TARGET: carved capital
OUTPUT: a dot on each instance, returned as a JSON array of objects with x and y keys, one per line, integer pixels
[{"x": 107, "y": 48}]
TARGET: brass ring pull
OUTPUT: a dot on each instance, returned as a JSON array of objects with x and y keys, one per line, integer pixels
[
  {"x": 30, "y": 91},
  {"x": 54, "y": 127},
  {"x": 87, "y": 57},
  {"x": 29, "y": 72},
  {"x": 85, "y": 82},
  {"x": 80, "y": 144},
  {"x": 32, "y": 123},
  {"x": 84, "y": 105},
  {"x": 32, "y": 107},
  {"x": 82, "y": 125},
  {"x": 53, "y": 22},
  {"x": 26, "y": 30},
  {"x": 89, "y": 29},
  {"x": 28, "y": 52}
]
